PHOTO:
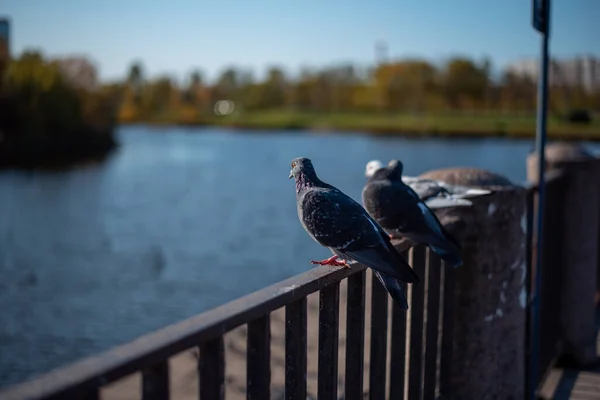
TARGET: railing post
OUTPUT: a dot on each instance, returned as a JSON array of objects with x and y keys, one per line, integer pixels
[
  {"x": 490, "y": 293},
  {"x": 580, "y": 255}
]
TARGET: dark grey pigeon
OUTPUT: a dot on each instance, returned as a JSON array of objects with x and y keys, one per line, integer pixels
[
  {"x": 336, "y": 221},
  {"x": 402, "y": 213},
  {"x": 436, "y": 194}
]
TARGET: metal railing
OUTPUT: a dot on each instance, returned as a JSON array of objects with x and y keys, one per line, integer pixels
[
  {"x": 427, "y": 325},
  {"x": 416, "y": 354}
]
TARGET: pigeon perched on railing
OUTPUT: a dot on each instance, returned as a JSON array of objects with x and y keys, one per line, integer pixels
[
  {"x": 436, "y": 194},
  {"x": 336, "y": 221},
  {"x": 402, "y": 213}
]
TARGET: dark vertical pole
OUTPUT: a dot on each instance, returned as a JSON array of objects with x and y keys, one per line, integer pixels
[{"x": 541, "y": 22}]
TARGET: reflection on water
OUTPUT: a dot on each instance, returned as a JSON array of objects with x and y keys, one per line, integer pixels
[{"x": 174, "y": 223}]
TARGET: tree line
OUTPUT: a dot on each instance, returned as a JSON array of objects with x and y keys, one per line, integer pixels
[
  {"x": 404, "y": 86},
  {"x": 56, "y": 108},
  {"x": 53, "y": 113}
]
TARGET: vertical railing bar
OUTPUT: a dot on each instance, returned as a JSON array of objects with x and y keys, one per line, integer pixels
[
  {"x": 355, "y": 336},
  {"x": 258, "y": 362},
  {"x": 379, "y": 317},
  {"x": 295, "y": 350},
  {"x": 431, "y": 333},
  {"x": 447, "y": 348},
  {"x": 398, "y": 348},
  {"x": 211, "y": 367},
  {"x": 329, "y": 301},
  {"x": 415, "y": 383},
  {"x": 398, "y": 351},
  {"x": 440, "y": 336},
  {"x": 155, "y": 382}
]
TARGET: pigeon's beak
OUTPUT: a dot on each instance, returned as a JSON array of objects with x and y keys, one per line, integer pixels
[{"x": 291, "y": 175}]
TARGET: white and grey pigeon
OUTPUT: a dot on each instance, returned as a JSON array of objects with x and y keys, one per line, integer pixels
[
  {"x": 435, "y": 193},
  {"x": 336, "y": 221},
  {"x": 403, "y": 214}
]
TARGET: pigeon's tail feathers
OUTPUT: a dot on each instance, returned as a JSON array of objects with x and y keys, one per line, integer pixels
[
  {"x": 446, "y": 202},
  {"x": 394, "y": 289},
  {"x": 450, "y": 254},
  {"x": 386, "y": 260},
  {"x": 443, "y": 244},
  {"x": 437, "y": 238}
]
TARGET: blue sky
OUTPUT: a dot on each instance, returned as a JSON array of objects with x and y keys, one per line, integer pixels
[{"x": 177, "y": 35}]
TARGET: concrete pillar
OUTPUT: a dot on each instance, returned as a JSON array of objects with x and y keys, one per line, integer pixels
[
  {"x": 580, "y": 253},
  {"x": 489, "y": 330}
]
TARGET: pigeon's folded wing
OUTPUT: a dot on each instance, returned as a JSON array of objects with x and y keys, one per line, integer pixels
[
  {"x": 338, "y": 222},
  {"x": 435, "y": 203},
  {"x": 427, "y": 189}
]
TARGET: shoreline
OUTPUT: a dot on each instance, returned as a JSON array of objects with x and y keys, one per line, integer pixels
[
  {"x": 457, "y": 126},
  {"x": 38, "y": 152},
  {"x": 29, "y": 153}
]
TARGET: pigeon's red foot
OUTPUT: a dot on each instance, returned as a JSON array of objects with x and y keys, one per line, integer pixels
[
  {"x": 332, "y": 261},
  {"x": 392, "y": 237}
]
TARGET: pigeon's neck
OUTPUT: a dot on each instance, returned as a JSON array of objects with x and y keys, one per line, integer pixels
[
  {"x": 305, "y": 181},
  {"x": 387, "y": 174}
]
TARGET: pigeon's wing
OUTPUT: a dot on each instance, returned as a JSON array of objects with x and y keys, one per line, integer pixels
[
  {"x": 400, "y": 210},
  {"x": 338, "y": 222},
  {"x": 462, "y": 192},
  {"x": 427, "y": 189},
  {"x": 436, "y": 203},
  {"x": 393, "y": 205},
  {"x": 409, "y": 179},
  {"x": 423, "y": 226}
]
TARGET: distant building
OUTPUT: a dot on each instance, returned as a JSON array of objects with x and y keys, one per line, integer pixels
[
  {"x": 4, "y": 39},
  {"x": 584, "y": 71},
  {"x": 381, "y": 52}
]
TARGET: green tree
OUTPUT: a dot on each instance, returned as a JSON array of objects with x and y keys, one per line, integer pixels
[
  {"x": 228, "y": 85},
  {"x": 135, "y": 82},
  {"x": 78, "y": 71},
  {"x": 464, "y": 83},
  {"x": 157, "y": 96},
  {"x": 192, "y": 93},
  {"x": 45, "y": 101}
]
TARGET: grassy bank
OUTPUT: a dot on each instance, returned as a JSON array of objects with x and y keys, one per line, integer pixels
[{"x": 454, "y": 125}]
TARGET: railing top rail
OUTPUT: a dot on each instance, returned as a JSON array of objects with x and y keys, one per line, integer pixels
[{"x": 147, "y": 350}]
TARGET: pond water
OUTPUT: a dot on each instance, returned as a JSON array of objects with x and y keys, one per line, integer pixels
[{"x": 177, "y": 221}]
